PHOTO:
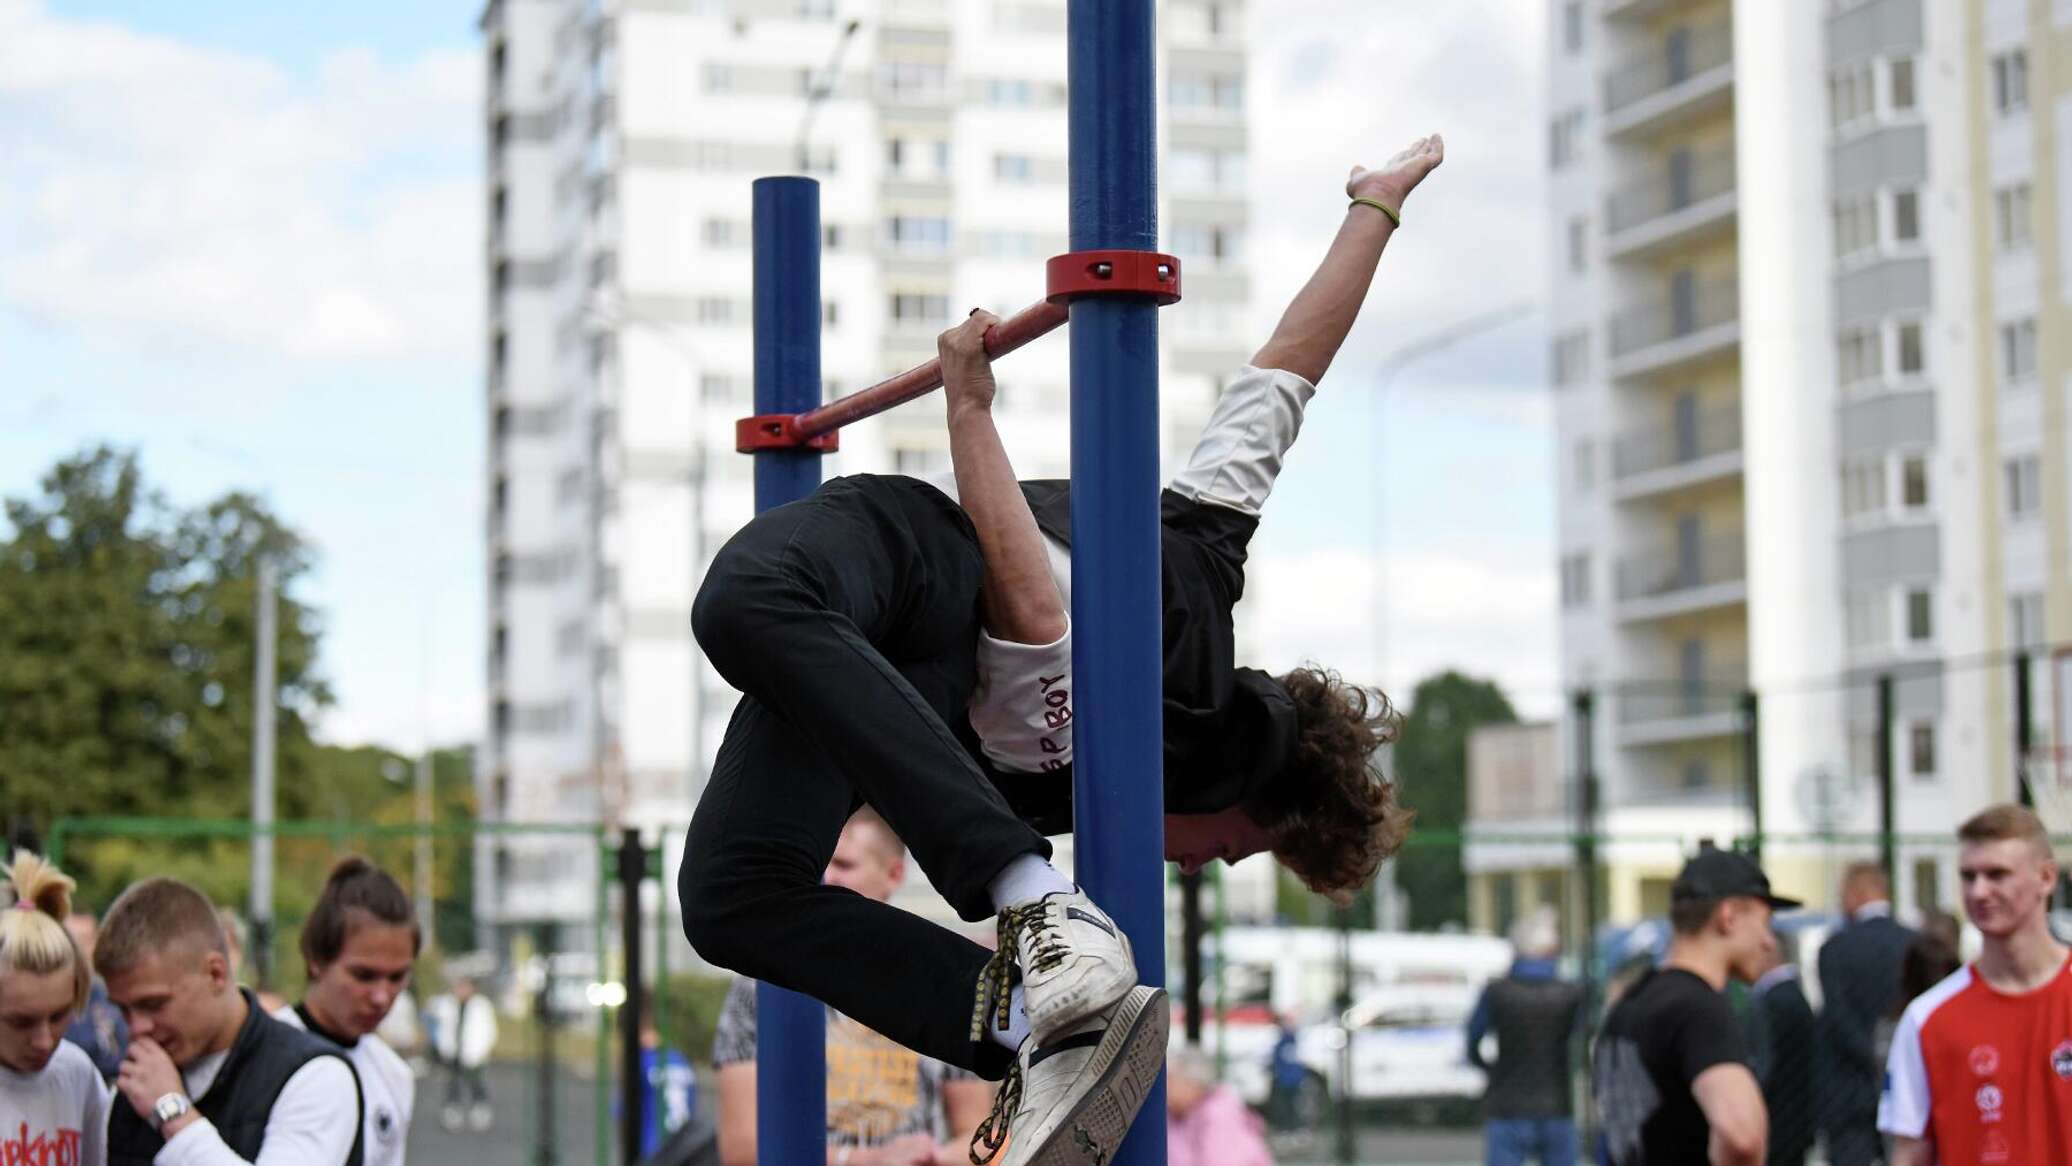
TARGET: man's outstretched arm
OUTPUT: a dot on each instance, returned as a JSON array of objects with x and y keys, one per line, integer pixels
[{"x": 1320, "y": 316}]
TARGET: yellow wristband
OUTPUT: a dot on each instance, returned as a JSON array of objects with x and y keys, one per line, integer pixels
[{"x": 1393, "y": 216}]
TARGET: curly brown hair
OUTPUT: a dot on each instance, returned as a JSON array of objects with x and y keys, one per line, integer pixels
[{"x": 1333, "y": 812}]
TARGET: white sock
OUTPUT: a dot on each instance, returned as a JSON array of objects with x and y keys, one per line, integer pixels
[
  {"x": 1017, "y": 1024},
  {"x": 1026, "y": 880}
]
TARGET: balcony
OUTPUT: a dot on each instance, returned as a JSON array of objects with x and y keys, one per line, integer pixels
[
  {"x": 1696, "y": 320},
  {"x": 1698, "y": 575},
  {"x": 1699, "y": 707},
  {"x": 1693, "y": 449},
  {"x": 1691, "y": 76},
  {"x": 1686, "y": 199}
]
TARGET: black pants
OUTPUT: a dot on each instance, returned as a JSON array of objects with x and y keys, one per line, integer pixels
[
  {"x": 850, "y": 621},
  {"x": 466, "y": 1083}
]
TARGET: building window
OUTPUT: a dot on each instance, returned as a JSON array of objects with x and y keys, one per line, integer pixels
[
  {"x": 1921, "y": 749},
  {"x": 1912, "y": 362},
  {"x": 1015, "y": 168},
  {"x": 913, "y": 80},
  {"x": 1863, "y": 488},
  {"x": 722, "y": 234},
  {"x": 2018, "y": 350},
  {"x": 1856, "y": 226},
  {"x": 920, "y": 310},
  {"x": 717, "y": 388},
  {"x": 1920, "y": 616},
  {"x": 2011, "y": 82},
  {"x": 918, "y": 235},
  {"x": 1906, "y": 216},
  {"x": 830, "y": 314},
  {"x": 1211, "y": 91},
  {"x": 2024, "y": 485},
  {"x": 2025, "y": 620},
  {"x": 1850, "y": 96},
  {"x": 1571, "y": 357},
  {"x": 1575, "y": 580},
  {"x": 1572, "y": 27},
  {"x": 1861, "y": 356},
  {"x": 1869, "y": 619},
  {"x": 715, "y": 311},
  {"x": 1566, "y": 139},
  {"x": 1585, "y": 465},
  {"x": 1913, "y": 481},
  {"x": 2012, "y": 226},
  {"x": 1578, "y": 244},
  {"x": 1899, "y": 84},
  {"x": 919, "y": 462},
  {"x": 831, "y": 236}
]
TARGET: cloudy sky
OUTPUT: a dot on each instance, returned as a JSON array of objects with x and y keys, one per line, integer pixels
[{"x": 243, "y": 238}]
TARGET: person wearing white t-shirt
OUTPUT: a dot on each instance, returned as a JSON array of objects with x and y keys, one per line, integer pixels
[
  {"x": 53, "y": 1104},
  {"x": 209, "y": 1079},
  {"x": 359, "y": 943}
]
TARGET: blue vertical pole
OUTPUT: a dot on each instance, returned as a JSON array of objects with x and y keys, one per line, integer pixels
[
  {"x": 790, "y": 1045},
  {"x": 1118, "y": 741}
]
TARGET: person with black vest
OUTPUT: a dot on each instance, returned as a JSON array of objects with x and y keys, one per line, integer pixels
[
  {"x": 906, "y": 649},
  {"x": 209, "y": 1078},
  {"x": 1859, "y": 984},
  {"x": 1533, "y": 1014}
]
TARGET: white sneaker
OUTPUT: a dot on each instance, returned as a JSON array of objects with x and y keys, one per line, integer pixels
[
  {"x": 1074, "y": 962},
  {"x": 481, "y": 1118},
  {"x": 1069, "y": 1102}
]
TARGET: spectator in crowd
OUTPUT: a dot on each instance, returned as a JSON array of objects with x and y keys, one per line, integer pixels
[
  {"x": 1928, "y": 961},
  {"x": 1671, "y": 1068},
  {"x": 53, "y": 1103},
  {"x": 209, "y": 1078},
  {"x": 1533, "y": 1014},
  {"x": 463, "y": 1026},
  {"x": 403, "y": 1033},
  {"x": 1780, "y": 1038},
  {"x": 1285, "y": 1075},
  {"x": 235, "y": 935},
  {"x": 358, "y": 946},
  {"x": 1859, "y": 977},
  {"x": 887, "y": 1105},
  {"x": 98, "y": 1028},
  {"x": 1207, "y": 1123},
  {"x": 1981, "y": 1067},
  {"x": 669, "y": 1084}
]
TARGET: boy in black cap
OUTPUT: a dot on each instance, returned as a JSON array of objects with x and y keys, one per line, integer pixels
[{"x": 1672, "y": 1071}]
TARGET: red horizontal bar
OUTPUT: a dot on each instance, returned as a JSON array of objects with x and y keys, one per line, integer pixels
[{"x": 1001, "y": 339}]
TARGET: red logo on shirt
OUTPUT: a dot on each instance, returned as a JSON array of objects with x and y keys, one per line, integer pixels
[
  {"x": 1985, "y": 1060},
  {"x": 1989, "y": 1099},
  {"x": 47, "y": 1148},
  {"x": 2061, "y": 1060},
  {"x": 1993, "y": 1147}
]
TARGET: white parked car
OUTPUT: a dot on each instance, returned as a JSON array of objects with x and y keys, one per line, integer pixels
[{"x": 1409, "y": 1045}]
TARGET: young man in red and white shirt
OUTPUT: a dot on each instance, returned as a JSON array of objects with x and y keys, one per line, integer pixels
[{"x": 1981, "y": 1068}]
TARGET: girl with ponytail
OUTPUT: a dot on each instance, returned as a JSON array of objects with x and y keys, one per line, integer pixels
[{"x": 55, "y": 1103}]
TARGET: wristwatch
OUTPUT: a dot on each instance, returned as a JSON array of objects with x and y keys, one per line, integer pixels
[{"x": 171, "y": 1107}]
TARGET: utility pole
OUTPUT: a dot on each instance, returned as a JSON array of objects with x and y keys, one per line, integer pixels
[
  {"x": 263, "y": 684},
  {"x": 421, "y": 873}
]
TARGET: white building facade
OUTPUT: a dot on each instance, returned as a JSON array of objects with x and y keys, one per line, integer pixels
[
  {"x": 622, "y": 141},
  {"x": 1808, "y": 308}
]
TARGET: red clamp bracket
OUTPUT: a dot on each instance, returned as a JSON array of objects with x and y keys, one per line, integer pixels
[
  {"x": 780, "y": 431},
  {"x": 1107, "y": 273}
]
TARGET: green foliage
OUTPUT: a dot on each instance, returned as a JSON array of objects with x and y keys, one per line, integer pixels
[
  {"x": 688, "y": 1010},
  {"x": 1430, "y": 765},
  {"x": 126, "y": 650}
]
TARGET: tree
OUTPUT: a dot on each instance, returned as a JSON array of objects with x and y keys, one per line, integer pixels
[
  {"x": 127, "y": 631},
  {"x": 1430, "y": 765}
]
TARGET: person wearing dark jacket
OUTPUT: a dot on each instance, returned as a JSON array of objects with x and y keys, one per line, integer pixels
[
  {"x": 1859, "y": 978},
  {"x": 1533, "y": 1015},
  {"x": 209, "y": 1078},
  {"x": 1780, "y": 1040}
]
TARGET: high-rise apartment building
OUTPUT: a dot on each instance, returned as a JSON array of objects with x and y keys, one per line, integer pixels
[
  {"x": 622, "y": 140},
  {"x": 1810, "y": 357}
]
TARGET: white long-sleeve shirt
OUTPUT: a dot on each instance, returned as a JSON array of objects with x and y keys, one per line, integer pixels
[
  {"x": 1021, "y": 709},
  {"x": 311, "y": 1123},
  {"x": 388, "y": 1093}
]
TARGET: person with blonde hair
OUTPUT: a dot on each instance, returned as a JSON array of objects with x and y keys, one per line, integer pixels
[{"x": 53, "y": 1104}]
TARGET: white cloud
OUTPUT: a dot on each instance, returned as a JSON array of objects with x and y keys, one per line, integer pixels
[
  {"x": 1341, "y": 84},
  {"x": 1484, "y": 612},
  {"x": 185, "y": 197}
]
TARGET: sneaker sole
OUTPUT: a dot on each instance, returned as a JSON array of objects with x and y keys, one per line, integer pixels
[{"x": 1134, "y": 1053}]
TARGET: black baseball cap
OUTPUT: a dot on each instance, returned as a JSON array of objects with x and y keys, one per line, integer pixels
[{"x": 1725, "y": 874}]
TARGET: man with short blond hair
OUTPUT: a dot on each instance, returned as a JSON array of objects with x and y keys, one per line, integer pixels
[
  {"x": 209, "y": 1078},
  {"x": 1981, "y": 1067}
]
